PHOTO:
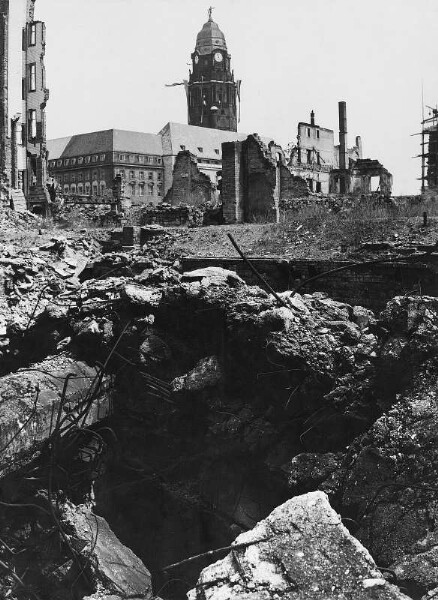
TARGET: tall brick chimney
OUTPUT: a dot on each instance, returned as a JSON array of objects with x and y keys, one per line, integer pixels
[{"x": 343, "y": 155}]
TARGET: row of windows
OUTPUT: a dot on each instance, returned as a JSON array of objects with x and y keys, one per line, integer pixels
[
  {"x": 142, "y": 175},
  {"x": 309, "y": 157},
  {"x": 80, "y": 160},
  {"x": 86, "y": 188},
  {"x": 314, "y": 186},
  {"x": 200, "y": 149},
  {"x": 80, "y": 176},
  {"x": 309, "y": 132},
  {"x": 66, "y": 162},
  {"x": 140, "y": 189},
  {"x": 212, "y": 96},
  {"x": 97, "y": 189},
  {"x": 138, "y": 158}
]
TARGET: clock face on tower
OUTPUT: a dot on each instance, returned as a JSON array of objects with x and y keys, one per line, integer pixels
[{"x": 218, "y": 57}]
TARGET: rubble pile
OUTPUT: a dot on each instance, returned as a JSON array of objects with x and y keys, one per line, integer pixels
[
  {"x": 90, "y": 213},
  {"x": 219, "y": 402},
  {"x": 35, "y": 277},
  {"x": 172, "y": 216},
  {"x": 22, "y": 221}
]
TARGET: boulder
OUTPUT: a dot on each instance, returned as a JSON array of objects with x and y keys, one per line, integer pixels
[
  {"x": 300, "y": 551},
  {"x": 141, "y": 295},
  {"x": 30, "y": 398},
  {"x": 206, "y": 373},
  {"x": 213, "y": 275},
  {"x": 116, "y": 571}
]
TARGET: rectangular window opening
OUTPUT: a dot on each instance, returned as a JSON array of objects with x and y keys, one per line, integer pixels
[
  {"x": 32, "y": 34},
  {"x": 32, "y": 77},
  {"x": 32, "y": 126}
]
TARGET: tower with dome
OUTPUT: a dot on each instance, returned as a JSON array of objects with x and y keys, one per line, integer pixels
[{"x": 212, "y": 91}]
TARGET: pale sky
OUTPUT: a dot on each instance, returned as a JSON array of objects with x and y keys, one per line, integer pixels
[{"x": 108, "y": 61}]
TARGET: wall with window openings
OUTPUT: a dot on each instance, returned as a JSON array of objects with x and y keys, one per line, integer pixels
[
  {"x": 35, "y": 96},
  {"x": 142, "y": 175},
  {"x": 93, "y": 175},
  {"x": 314, "y": 155}
]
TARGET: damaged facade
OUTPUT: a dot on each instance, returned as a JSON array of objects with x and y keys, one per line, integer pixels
[
  {"x": 23, "y": 160},
  {"x": 336, "y": 169},
  {"x": 429, "y": 152}
]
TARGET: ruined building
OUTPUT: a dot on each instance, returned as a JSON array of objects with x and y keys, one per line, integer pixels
[
  {"x": 86, "y": 164},
  {"x": 336, "y": 169},
  {"x": 211, "y": 90},
  {"x": 23, "y": 154},
  {"x": 255, "y": 179},
  {"x": 35, "y": 99},
  {"x": 429, "y": 152}
]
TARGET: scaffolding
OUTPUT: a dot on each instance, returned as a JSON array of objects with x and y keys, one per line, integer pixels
[{"x": 429, "y": 150}]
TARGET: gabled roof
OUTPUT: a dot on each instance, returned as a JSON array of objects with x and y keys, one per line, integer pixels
[
  {"x": 177, "y": 137},
  {"x": 108, "y": 140}
]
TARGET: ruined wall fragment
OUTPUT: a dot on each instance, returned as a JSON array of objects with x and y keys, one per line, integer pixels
[
  {"x": 190, "y": 186},
  {"x": 254, "y": 181}
]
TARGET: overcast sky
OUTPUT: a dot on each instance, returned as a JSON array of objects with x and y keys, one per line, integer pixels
[{"x": 108, "y": 61}]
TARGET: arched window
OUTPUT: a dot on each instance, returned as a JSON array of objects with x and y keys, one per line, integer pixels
[
  {"x": 95, "y": 188},
  {"x": 66, "y": 188},
  {"x": 87, "y": 188},
  {"x": 150, "y": 189},
  {"x": 73, "y": 188},
  {"x": 80, "y": 188},
  {"x": 102, "y": 188},
  {"x": 141, "y": 189},
  {"x": 132, "y": 186}
]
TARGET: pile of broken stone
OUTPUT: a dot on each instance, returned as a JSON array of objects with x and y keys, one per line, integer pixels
[
  {"x": 375, "y": 454},
  {"x": 35, "y": 277}
]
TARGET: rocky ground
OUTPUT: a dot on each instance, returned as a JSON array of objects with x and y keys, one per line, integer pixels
[{"x": 149, "y": 415}]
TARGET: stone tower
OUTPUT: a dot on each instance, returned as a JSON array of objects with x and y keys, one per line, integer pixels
[{"x": 212, "y": 92}]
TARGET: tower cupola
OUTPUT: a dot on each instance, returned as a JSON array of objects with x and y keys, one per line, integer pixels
[{"x": 212, "y": 91}]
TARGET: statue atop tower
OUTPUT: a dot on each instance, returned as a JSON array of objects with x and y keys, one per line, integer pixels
[{"x": 212, "y": 92}]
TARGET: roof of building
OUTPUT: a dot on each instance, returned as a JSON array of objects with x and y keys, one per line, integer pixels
[
  {"x": 109, "y": 140},
  {"x": 210, "y": 38},
  {"x": 203, "y": 142}
]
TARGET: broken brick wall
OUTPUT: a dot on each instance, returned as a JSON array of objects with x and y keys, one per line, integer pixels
[
  {"x": 190, "y": 186},
  {"x": 255, "y": 180},
  {"x": 292, "y": 186},
  {"x": 259, "y": 178},
  {"x": 232, "y": 182}
]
